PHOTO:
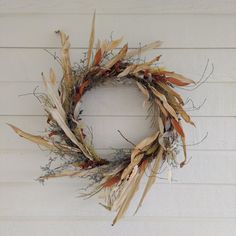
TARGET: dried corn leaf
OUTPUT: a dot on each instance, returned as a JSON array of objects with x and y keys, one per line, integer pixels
[
  {"x": 126, "y": 71},
  {"x": 98, "y": 57},
  {"x": 153, "y": 148},
  {"x": 52, "y": 78},
  {"x": 177, "y": 127},
  {"x": 91, "y": 41},
  {"x": 146, "y": 66},
  {"x": 126, "y": 172},
  {"x": 133, "y": 187},
  {"x": 178, "y": 107},
  {"x": 142, "y": 67},
  {"x": 178, "y": 79},
  {"x": 118, "y": 57},
  {"x": 34, "y": 138},
  {"x": 152, "y": 177},
  {"x": 155, "y": 59},
  {"x": 98, "y": 45},
  {"x": 163, "y": 110},
  {"x": 159, "y": 70},
  {"x": 103, "y": 45},
  {"x": 65, "y": 58},
  {"x": 160, "y": 124},
  {"x": 122, "y": 190},
  {"x": 186, "y": 117},
  {"x": 113, "y": 44},
  {"x": 170, "y": 91},
  {"x": 62, "y": 37},
  {"x": 67, "y": 80},
  {"x": 144, "y": 143},
  {"x": 52, "y": 93},
  {"x": 166, "y": 105},
  {"x": 185, "y": 152},
  {"x": 143, "y": 90},
  {"x": 138, "y": 154},
  {"x": 143, "y": 49},
  {"x": 111, "y": 181},
  {"x": 61, "y": 122}
]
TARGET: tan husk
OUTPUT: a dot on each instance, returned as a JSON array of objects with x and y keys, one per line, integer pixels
[
  {"x": 117, "y": 58},
  {"x": 91, "y": 41},
  {"x": 143, "y": 49},
  {"x": 34, "y": 138},
  {"x": 152, "y": 176}
]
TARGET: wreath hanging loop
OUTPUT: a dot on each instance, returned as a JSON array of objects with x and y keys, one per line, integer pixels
[{"x": 121, "y": 175}]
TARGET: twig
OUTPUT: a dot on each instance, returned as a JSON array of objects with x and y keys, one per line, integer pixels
[{"x": 125, "y": 138}]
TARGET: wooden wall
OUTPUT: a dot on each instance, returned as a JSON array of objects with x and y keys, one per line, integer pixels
[{"x": 202, "y": 200}]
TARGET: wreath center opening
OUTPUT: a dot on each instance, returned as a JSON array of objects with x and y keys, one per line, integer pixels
[{"x": 110, "y": 111}]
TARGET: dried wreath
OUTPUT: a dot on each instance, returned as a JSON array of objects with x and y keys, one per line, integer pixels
[{"x": 119, "y": 176}]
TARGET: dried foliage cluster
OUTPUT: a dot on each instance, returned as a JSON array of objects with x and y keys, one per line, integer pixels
[{"x": 120, "y": 176}]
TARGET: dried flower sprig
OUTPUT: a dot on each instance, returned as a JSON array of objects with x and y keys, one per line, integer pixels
[{"x": 120, "y": 176}]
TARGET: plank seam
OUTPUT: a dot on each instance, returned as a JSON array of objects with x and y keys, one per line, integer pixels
[{"x": 103, "y": 218}]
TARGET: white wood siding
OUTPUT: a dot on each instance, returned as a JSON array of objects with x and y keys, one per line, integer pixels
[{"x": 202, "y": 199}]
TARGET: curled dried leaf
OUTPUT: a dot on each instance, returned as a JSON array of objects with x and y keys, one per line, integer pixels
[
  {"x": 178, "y": 79},
  {"x": 170, "y": 92},
  {"x": 179, "y": 108},
  {"x": 186, "y": 117},
  {"x": 167, "y": 106},
  {"x": 34, "y": 138}
]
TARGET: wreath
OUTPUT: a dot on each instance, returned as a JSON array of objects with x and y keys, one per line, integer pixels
[{"x": 120, "y": 175}]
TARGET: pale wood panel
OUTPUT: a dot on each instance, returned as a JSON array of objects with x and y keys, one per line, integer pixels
[
  {"x": 181, "y": 31},
  {"x": 118, "y": 7},
  {"x": 138, "y": 226},
  {"x": 205, "y": 189},
  {"x": 121, "y": 100},
  {"x": 215, "y": 105},
  {"x": 221, "y": 134},
  {"x": 18, "y": 64},
  {"x": 205, "y": 167},
  {"x": 59, "y": 200}
]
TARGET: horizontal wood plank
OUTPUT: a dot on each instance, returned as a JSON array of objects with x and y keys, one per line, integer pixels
[
  {"x": 220, "y": 132},
  {"x": 138, "y": 226},
  {"x": 122, "y": 7},
  {"x": 110, "y": 100},
  {"x": 201, "y": 199},
  {"x": 21, "y": 65},
  {"x": 58, "y": 199},
  {"x": 205, "y": 167},
  {"x": 176, "y": 31}
]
